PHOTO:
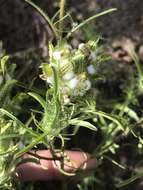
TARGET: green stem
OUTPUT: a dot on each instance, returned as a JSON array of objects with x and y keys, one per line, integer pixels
[
  {"x": 31, "y": 145},
  {"x": 44, "y": 15},
  {"x": 62, "y": 12}
]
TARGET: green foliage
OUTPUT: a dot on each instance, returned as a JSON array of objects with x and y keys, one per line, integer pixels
[
  {"x": 68, "y": 102},
  {"x": 69, "y": 75}
]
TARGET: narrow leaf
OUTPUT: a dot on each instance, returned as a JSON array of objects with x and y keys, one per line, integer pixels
[
  {"x": 5, "y": 112},
  {"x": 107, "y": 116},
  {"x": 91, "y": 18},
  {"x": 3, "y": 62},
  {"x": 38, "y": 98},
  {"x": 128, "y": 181},
  {"x": 81, "y": 123}
]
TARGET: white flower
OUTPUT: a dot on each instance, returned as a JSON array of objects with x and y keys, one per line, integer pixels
[
  {"x": 87, "y": 85},
  {"x": 50, "y": 80},
  {"x": 56, "y": 55},
  {"x": 68, "y": 76},
  {"x": 73, "y": 83},
  {"x": 91, "y": 69},
  {"x": 66, "y": 99},
  {"x": 64, "y": 62},
  {"x": 81, "y": 46},
  {"x": 74, "y": 24}
]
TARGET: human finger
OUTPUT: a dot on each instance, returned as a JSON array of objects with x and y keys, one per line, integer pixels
[{"x": 49, "y": 169}]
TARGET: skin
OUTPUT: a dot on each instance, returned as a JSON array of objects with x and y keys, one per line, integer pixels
[{"x": 47, "y": 169}]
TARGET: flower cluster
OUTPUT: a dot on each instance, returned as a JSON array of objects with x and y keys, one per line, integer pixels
[{"x": 74, "y": 68}]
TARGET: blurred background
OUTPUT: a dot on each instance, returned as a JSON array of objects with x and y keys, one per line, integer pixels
[{"x": 25, "y": 35}]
